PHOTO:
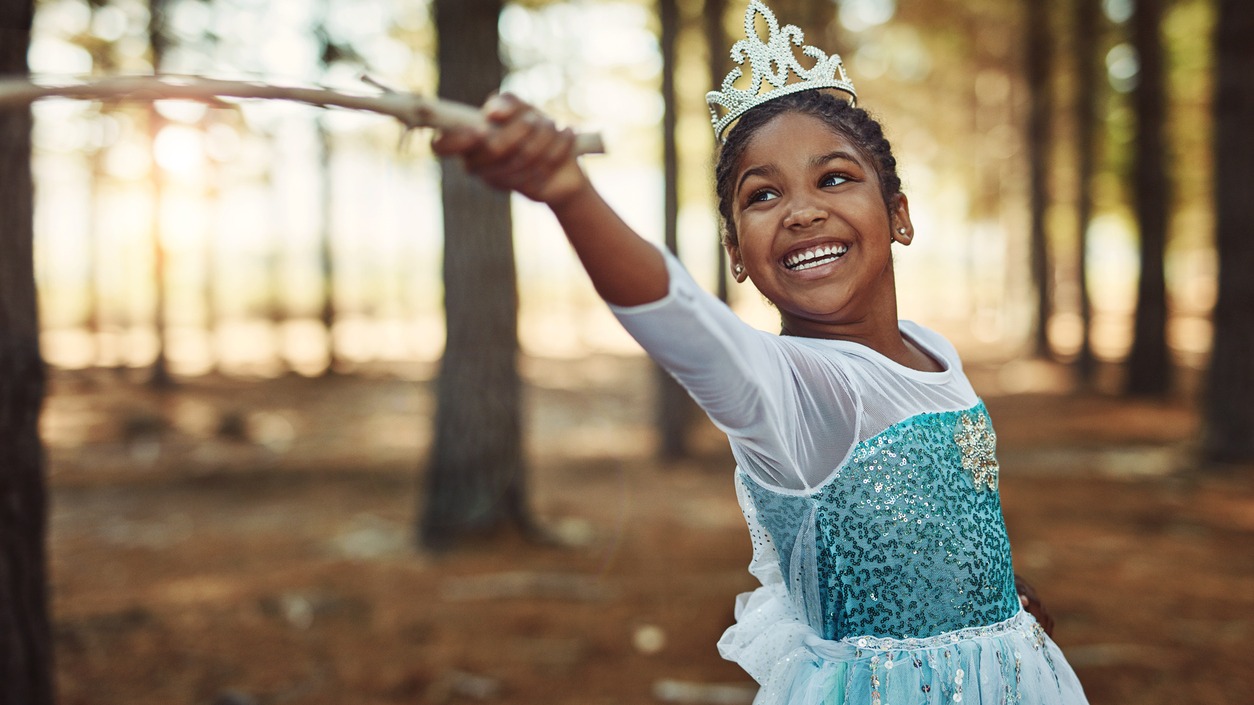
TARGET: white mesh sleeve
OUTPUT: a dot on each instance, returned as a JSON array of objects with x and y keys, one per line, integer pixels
[
  {"x": 785, "y": 414},
  {"x": 725, "y": 364}
]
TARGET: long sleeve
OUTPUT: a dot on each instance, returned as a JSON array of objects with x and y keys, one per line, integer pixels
[
  {"x": 767, "y": 394},
  {"x": 724, "y": 363}
]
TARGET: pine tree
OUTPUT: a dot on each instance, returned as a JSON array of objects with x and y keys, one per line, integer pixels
[
  {"x": 25, "y": 635},
  {"x": 1228, "y": 413},
  {"x": 475, "y": 478}
]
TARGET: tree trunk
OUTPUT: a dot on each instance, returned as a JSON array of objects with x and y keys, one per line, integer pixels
[
  {"x": 326, "y": 251},
  {"x": 1149, "y": 362},
  {"x": 720, "y": 64},
  {"x": 1229, "y": 416},
  {"x": 1086, "y": 20},
  {"x": 475, "y": 479},
  {"x": 209, "y": 258},
  {"x": 674, "y": 406},
  {"x": 326, "y": 232},
  {"x": 160, "y": 376},
  {"x": 1040, "y": 105},
  {"x": 25, "y": 636}
]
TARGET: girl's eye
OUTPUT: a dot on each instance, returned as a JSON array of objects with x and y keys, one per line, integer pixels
[
  {"x": 763, "y": 195},
  {"x": 832, "y": 180}
]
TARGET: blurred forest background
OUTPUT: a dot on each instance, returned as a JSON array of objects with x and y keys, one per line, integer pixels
[{"x": 323, "y": 421}]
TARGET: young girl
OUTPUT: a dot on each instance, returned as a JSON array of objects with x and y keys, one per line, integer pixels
[{"x": 866, "y": 467}]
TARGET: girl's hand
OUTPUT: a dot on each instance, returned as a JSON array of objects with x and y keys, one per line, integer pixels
[
  {"x": 521, "y": 150},
  {"x": 1032, "y": 603}
]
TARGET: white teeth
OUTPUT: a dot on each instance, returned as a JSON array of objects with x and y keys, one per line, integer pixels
[{"x": 815, "y": 256}]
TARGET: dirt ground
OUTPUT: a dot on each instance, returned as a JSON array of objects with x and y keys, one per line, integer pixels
[{"x": 243, "y": 541}]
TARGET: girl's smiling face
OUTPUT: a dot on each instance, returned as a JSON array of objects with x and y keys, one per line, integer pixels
[{"x": 814, "y": 233}]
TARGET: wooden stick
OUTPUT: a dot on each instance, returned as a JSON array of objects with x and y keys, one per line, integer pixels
[{"x": 410, "y": 109}]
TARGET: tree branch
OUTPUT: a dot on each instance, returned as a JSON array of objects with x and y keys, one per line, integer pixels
[{"x": 412, "y": 110}]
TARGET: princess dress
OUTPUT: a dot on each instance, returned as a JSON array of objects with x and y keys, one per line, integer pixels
[{"x": 870, "y": 492}]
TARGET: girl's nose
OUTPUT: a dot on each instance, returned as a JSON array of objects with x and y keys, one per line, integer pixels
[{"x": 805, "y": 217}]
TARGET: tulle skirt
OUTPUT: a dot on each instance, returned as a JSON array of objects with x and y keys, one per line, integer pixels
[{"x": 1011, "y": 662}]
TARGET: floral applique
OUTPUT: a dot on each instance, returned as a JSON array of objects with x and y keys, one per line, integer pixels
[{"x": 978, "y": 442}]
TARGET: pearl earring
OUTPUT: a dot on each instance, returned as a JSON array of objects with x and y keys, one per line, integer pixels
[
  {"x": 738, "y": 269},
  {"x": 901, "y": 231}
]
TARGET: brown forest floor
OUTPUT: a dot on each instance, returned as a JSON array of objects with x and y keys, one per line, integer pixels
[{"x": 237, "y": 542}]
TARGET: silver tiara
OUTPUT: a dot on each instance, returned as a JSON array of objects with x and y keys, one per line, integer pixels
[{"x": 772, "y": 62}]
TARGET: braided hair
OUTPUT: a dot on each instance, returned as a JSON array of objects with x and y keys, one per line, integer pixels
[{"x": 854, "y": 124}]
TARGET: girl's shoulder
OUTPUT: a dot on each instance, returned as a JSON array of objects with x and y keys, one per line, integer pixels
[{"x": 932, "y": 342}]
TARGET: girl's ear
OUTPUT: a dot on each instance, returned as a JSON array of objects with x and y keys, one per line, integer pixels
[
  {"x": 899, "y": 220},
  {"x": 737, "y": 265}
]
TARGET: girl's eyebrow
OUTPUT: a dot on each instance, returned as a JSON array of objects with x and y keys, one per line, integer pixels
[
  {"x": 832, "y": 156},
  {"x": 761, "y": 170}
]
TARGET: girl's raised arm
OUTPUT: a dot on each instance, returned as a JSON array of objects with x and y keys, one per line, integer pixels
[{"x": 522, "y": 150}]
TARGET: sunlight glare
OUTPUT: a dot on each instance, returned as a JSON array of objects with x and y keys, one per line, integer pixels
[
  {"x": 617, "y": 103},
  {"x": 1117, "y": 11},
  {"x": 597, "y": 59},
  {"x": 185, "y": 111},
  {"x": 387, "y": 56},
  {"x": 992, "y": 86},
  {"x": 222, "y": 142},
  {"x": 911, "y": 60},
  {"x": 621, "y": 38},
  {"x": 131, "y": 53},
  {"x": 303, "y": 344},
  {"x": 517, "y": 27},
  {"x": 70, "y": 348},
  {"x": 108, "y": 23},
  {"x": 238, "y": 24},
  {"x": 861, "y": 15},
  {"x": 66, "y": 18},
  {"x": 871, "y": 60},
  {"x": 60, "y": 126},
  {"x": 412, "y": 16},
  {"x": 184, "y": 218},
  {"x": 1122, "y": 66},
  {"x": 289, "y": 54},
  {"x": 104, "y": 131},
  {"x": 188, "y": 350},
  {"x": 537, "y": 84},
  {"x": 357, "y": 21},
  {"x": 189, "y": 19},
  {"x": 52, "y": 55},
  {"x": 179, "y": 149},
  {"x": 127, "y": 160}
]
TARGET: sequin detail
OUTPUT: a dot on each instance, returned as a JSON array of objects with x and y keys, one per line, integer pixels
[
  {"x": 898, "y": 543},
  {"x": 1029, "y": 629},
  {"x": 978, "y": 442}
]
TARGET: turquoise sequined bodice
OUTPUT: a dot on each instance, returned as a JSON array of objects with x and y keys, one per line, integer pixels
[{"x": 906, "y": 539}]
